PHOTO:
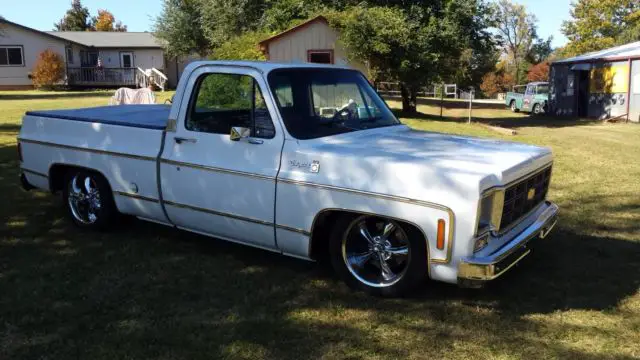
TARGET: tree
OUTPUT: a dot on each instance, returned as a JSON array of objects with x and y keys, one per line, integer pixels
[
  {"x": 243, "y": 47},
  {"x": 416, "y": 44},
  {"x": 540, "y": 51},
  {"x": 599, "y": 24},
  {"x": 539, "y": 72},
  {"x": 280, "y": 14},
  {"x": 225, "y": 19},
  {"x": 517, "y": 34},
  {"x": 76, "y": 18},
  {"x": 629, "y": 35},
  {"x": 181, "y": 26},
  {"x": 496, "y": 82},
  {"x": 49, "y": 69},
  {"x": 105, "y": 21}
]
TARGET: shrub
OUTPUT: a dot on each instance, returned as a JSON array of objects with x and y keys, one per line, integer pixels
[{"x": 49, "y": 69}]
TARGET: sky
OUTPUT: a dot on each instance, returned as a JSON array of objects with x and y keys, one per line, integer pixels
[{"x": 138, "y": 15}]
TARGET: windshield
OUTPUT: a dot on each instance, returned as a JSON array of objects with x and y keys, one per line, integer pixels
[{"x": 322, "y": 102}]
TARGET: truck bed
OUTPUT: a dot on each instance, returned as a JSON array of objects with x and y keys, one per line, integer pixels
[{"x": 139, "y": 116}]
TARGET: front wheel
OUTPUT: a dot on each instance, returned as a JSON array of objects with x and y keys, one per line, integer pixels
[
  {"x": 537, "y": 109},
  {"x": 378, "y": 255},
  {"x": 88, "y": 199}
]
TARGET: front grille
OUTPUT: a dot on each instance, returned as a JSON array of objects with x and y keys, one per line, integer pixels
[{"x": 516, "y": 196}]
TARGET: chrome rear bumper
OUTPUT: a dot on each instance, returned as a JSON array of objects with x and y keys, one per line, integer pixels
[{"x": 489, "y": 267}]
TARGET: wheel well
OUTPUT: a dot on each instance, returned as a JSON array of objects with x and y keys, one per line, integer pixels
[
  {"x": 322, "y": 228},
  {"x": 57, "y": 173}
]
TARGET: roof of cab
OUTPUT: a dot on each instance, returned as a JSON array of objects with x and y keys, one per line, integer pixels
[{"x": 263, "y": 66}]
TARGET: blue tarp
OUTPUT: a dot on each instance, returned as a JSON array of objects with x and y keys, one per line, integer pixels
[{"x": 141, "y": 116}]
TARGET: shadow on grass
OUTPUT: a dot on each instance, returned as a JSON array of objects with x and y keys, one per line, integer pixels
[
  {"x": 147, "y": 291},
  {"x": 42, "y": 95},
  {"x": 507, "y": 122},
  {"x": 10, "y": 128}
]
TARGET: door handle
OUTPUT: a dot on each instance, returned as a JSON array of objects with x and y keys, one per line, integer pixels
[
  {"x": 180, "y": 140},
  {"x": 255, "y": 141}
]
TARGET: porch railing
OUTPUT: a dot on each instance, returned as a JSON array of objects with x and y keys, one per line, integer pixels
[{"x": 102, "y": 76}]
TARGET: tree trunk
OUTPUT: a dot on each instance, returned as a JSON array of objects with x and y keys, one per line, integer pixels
[{"x": 409, "y": 99}]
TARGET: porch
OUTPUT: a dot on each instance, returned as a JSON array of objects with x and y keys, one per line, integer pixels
[{"x": 129, "y": 77}]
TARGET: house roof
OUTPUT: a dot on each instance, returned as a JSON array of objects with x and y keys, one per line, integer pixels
[
  {"x": 109, "y": 39},
  {"x": 621, "y": 52},
  {"x": 5, "y": 21},
  {"x": 301, "y": 26}
]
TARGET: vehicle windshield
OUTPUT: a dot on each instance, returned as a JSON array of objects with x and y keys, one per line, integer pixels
[
  {"x": 543, "y": 89},
  {"x": 320, "y": 102}
]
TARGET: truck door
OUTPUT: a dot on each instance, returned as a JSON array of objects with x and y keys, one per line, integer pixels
[
  {"x": 527, "y": 99},
  {"x": 210, "y": 182}
]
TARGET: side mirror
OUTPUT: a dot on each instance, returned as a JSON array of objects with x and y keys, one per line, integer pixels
[{"x": 238, "y": 133}]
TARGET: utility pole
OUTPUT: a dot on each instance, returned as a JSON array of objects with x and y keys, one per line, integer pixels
[{"x": 471, "y": 95}]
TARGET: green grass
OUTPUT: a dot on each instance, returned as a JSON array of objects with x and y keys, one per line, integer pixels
[{"x": 146, "y": 291}]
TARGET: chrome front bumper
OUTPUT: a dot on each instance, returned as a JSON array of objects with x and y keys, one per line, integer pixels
[{"x": 489, "y": 267}]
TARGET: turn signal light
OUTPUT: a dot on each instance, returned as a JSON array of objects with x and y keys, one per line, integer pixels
[{"x": 440, "y": 239}]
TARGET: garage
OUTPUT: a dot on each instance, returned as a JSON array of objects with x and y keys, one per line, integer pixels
[{"x": 604, "y": 84}]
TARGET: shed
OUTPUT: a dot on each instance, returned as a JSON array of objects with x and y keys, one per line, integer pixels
[
  {"x": 313, "y": 41},
  {"x": 601, "y": 84}
]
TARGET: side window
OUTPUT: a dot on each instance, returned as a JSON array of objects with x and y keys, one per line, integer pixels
[{"x": 223, "y": 101}]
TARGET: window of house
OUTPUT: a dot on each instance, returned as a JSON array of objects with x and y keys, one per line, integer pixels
[
  {"x": 223, "y": 101},
  {"x": 320, "y": 56},
  {"x": 69, "y": 55},
  {"x": 88, "y": 58},
  {"x": 11, "y": 56}
]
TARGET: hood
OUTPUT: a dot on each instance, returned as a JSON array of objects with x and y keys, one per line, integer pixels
[{"x": 404, "y": 162}]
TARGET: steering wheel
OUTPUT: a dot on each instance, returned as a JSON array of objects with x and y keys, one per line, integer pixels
[{"x": 344, "y": 114}]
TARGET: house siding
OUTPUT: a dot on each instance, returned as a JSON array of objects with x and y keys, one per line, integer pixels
[
  {"x": 142, "y": 58},
  {"x": 293, "y": 47},
  {"x": 33, "y": 44}
]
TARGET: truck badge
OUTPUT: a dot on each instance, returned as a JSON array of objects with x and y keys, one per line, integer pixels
[
  {"x": 315, "y": 166},
  {"x": 531, "y": 194}
]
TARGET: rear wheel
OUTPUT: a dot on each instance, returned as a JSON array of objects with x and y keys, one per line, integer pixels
[
  {"x": 378, "y": 255},
  {"x": 88, "y": 199},
  {"x": 513, "y": 107}
]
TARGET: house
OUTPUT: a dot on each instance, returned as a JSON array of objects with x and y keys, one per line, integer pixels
[
  {"x": 92, "y": 58},
  {"x": 601, "y": 84},
  {"x": 312, "y": 41}
]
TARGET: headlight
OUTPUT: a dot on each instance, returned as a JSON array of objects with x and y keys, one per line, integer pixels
[{"x": 490, "y": 211}]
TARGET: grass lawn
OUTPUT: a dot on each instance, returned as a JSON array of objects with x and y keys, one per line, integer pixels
[{"x": 146, "y": 291}]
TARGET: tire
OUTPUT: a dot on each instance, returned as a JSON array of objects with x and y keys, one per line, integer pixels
[
  {"x": 513, "y": 107},
  {"x": 537, "y": 109},
  {"x": 88, "y": 199},
  {"x": 356, "y": 258}
]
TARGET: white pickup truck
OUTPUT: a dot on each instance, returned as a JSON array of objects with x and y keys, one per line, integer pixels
[{"x": 304, "y": 160}]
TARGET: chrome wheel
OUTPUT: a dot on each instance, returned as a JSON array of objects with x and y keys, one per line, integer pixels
[
  {"x": 513, "y": 106},
  {"x": 376, "y": 251},
  {"x": 84, "y": 198}
]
